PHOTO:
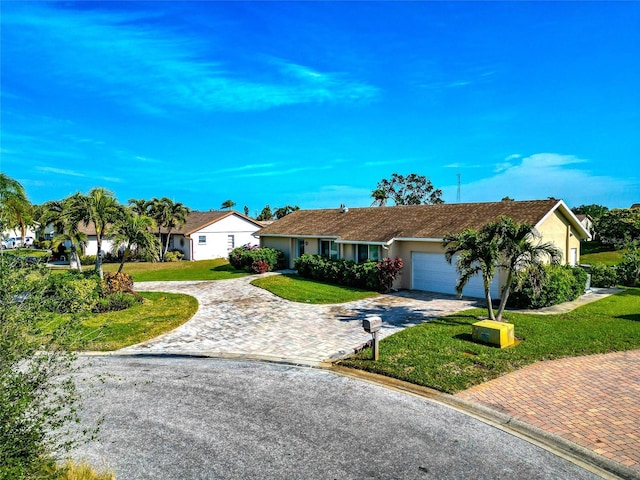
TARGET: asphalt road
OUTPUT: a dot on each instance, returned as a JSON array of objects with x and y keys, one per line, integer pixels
[{"x": 182, "y": 418}]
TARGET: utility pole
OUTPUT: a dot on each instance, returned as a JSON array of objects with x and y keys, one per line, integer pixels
[{"x": 458, "y": 195}]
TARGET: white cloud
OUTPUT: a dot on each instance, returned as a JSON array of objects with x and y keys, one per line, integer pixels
[
  {"x": 60, "y": 171},
  {"x": 545, "y": 175},
  {"x": 157, "y": 70}
]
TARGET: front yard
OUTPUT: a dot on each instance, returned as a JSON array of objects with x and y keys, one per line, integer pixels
[
  {"x": 217, "y": 269},
  {"x": 440, "y": 354}
]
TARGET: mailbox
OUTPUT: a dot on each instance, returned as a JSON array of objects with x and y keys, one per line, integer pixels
[{"x": 372, "y": 324}]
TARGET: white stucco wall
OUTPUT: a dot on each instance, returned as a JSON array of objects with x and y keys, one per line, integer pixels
[{"x": 216, "y": 241}]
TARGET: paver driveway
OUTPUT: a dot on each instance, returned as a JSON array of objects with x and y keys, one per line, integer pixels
[{"x": 236, "y": 317}]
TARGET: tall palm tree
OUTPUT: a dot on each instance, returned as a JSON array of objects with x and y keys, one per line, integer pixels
[
  {"x": 99, "y": 208},
  {"x": 169, "y": 215},
  {"x": 521, "y": 249},
  {"x": 475, "y": 252},
  {"x": 15, "y": 208},
  {"x": 134, "y": 232}
]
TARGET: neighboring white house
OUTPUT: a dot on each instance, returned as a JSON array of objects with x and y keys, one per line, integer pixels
[
  {"x": 213, "y": 234},
  {"x": 205, "y": 235}
]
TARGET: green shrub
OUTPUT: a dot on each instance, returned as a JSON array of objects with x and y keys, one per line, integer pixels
[
  {"x": 629, "y": 269},
  {"x": 243, "y": 258},
  {"x": 377, "y": 276},
  {"x": 603, "y": 276},
  {"x": 116, "y": 301},
  {"x": 551, "y": 285},
  {"x": 87, "y": 259},
  {"x": 71, "y": 292},
  {"x": 173, "y": 256}
]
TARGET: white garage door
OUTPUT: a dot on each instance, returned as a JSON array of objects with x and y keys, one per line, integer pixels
[{"x": 432, "y": 273}]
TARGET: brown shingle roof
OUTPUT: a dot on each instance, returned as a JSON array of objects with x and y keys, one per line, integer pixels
[
  {"x": 198, "y": 220},
  {"x": 195, "y": 221},
  {"x": 382, "y": 224}
]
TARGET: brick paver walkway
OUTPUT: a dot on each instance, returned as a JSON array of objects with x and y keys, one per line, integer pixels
[{"x": 593, "y": 401}]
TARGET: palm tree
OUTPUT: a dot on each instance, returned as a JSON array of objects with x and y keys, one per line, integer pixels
[
  {"x": 476, "y": 252},
  {"x": 140, "y": 206},
  {"x": 99, "y": 208},
  {"x": 168, "y": 214},
  {"x": 78, "y": 241},
  {"x": 52, "y": 212},
  {"x": 521, "y": 250},
  {"x": 15, "y": 208},
  {"x": 133, "y": 232}
]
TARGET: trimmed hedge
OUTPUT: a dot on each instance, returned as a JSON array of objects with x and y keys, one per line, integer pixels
[
  {"x": 552, "y": 285},
  {"x": 377, "y": 276},
  {"x": 256, "y": 259}
]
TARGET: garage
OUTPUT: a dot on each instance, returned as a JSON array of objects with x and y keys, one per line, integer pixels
[{"x": 432, "y": 273}]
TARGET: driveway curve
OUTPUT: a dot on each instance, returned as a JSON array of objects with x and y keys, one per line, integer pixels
[{"x": 237, "y": 318}]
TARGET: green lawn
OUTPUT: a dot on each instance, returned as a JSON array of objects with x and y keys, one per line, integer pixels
[
  {"x": 440, "y": 354},
  {"x": 298, "y": 289},
  {"x": 595, "y": 252},
  {"x": 158, "y": 314},
  {"x": 27, "y": 252},
  {"x": 218, "y": 269}
]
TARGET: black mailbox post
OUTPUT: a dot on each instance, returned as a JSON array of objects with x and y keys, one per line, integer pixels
[{"x": 372, "y": 324}]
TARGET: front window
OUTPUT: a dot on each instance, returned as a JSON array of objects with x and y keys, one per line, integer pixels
[
  {"x": 368, "y": 253},
  {"x": 300, "y": 247},
  {"x": 329, "y": 249},
  {"x": 202, "y": 239},
  {"x": 231, "y": 242}
]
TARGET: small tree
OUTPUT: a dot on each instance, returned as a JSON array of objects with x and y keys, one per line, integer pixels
[
  {"x": 133, "y": 232},
  {"x": 476, "y": 252},
  {"x": 521, "y": 250},
  {"x": 228, "y": 205}
]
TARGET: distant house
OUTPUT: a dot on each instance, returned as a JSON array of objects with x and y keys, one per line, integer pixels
[
  {"x": 635, "y": 205},
  {"x": 415, "y": 234},
  {"x": 205, "y": 235},
  {"x": 213, "y": 234},
  {"x": 587, "y": 223}
]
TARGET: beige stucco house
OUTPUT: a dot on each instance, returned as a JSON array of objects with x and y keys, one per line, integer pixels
[{"x": 415, "y": 233}]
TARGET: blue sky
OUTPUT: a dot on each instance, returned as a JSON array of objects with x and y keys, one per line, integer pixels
[{"x": 312, "y": 103}]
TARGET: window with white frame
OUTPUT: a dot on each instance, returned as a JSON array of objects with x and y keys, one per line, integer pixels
[
  {"x": 329, "y": 249},
  {"x": 231, "y": 242},
  {"x": 202, "y": 239},
  {"x": 368, "y": 253}
]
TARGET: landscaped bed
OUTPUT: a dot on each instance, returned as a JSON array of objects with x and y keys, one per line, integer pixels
[
  {"x": 157, "y": 314},
  {"x": 440, "y": 354}
]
